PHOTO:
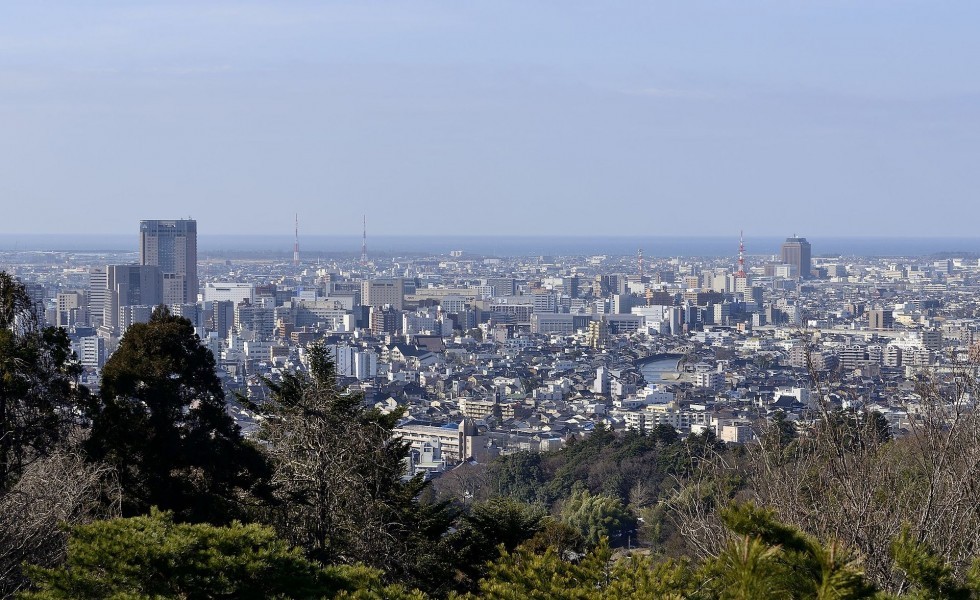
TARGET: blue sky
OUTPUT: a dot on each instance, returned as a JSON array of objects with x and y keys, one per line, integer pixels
[{"x": 684, "y": 117}]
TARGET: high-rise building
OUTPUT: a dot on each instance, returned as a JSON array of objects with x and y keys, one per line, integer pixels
[
  {"x": 796, "y": 251},
  {"x": 98, "y": 290},
  {"x": 130, "y": 285},
  {"x": 379, "y": 292},
  {"x": 880, "y": 319},
  {"x": 172, "y": 246}
]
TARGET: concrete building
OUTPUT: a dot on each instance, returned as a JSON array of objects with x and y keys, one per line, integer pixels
[
  {"x": 880, "y": 319},
  {"x": 172, "y": 246},
  {"x": 130, "y": 285},
  {"x": 235, "y": 292},
  {"x": 379, "y": 292},
  {"x": 98, "y": 290},
  {"x": 796, "y": 251},
  {"x": 72, "y": 310}
]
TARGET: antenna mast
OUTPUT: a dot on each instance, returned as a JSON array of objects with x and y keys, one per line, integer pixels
[
  {"x": 741, "y": 256},
  {"x": 639, "y": 260},
  {"x": 364, "y": 259},
  {"x": 296, "y": 244}
]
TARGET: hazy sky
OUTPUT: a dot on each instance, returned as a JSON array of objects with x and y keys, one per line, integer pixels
[{"x": 850, "y": 117}]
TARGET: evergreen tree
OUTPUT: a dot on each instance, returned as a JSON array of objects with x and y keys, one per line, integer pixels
[
  {"x": 160, "y": 420},
  {"x": 597, "y": 516},
  {"x": 154, "y": 557},
  {"x": 492, "y": 526},
  {"x": 38, "y": 391},
  {"x": 339, "y": 479}
]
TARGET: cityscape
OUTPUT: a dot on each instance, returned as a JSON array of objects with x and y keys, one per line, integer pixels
[
  {"x": 524, "y": 352},
  {"x": 489, "y": 300}
]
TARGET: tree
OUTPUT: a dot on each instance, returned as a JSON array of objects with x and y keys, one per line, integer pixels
[
  {"x": 596, "y": 516},
  {"x": 54, "y": 492},
  {"x": 772, "y": 560},
  {"x": 929, "y": 575},
  {"x": 500, "y": 523},
  {"x": 338, "y": 478},
  {"x": 155, "y": 557},
  {"x": 517, "y": 476},
  {"x": 160, "y": 420},
  {"x": 38, "y": 391},
  {"x": 527, "y": 575}
]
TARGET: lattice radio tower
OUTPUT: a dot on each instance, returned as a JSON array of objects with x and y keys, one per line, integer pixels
[
  {"x": 296, "y": 244},
  {"x": 741, "y": 256},
  {"x": 364, "y": 260}
]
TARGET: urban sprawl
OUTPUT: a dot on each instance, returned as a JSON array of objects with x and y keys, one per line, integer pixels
[{"x": 490, "y": 355}]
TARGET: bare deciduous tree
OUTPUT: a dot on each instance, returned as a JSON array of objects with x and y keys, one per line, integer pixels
[{"x": 53, "y": 494}]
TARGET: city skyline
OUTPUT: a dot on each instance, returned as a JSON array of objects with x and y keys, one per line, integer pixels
[{"x": 695, "y": 119}]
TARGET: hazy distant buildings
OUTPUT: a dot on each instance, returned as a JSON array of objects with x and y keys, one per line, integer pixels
[
  {"x": 72, "y": 310},
  {"x": 796, "y": 251},
  {"x": 172, "y": 246}
]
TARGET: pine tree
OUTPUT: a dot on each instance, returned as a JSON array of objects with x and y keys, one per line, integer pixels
[
  {"x": 155, "y": 557},
  {"x": 38, "y": 391},
  {"x": 160, "y": 420},
  {"x": 339, "y": 480}
]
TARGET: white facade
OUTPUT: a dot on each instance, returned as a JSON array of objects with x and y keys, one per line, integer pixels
[{"x": 236, "y": 292}]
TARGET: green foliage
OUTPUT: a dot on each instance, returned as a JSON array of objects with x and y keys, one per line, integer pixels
[
  {"x": 517, "y": 476},
  {"x": 338, "y": 477},
  {"x": 154, "y": 557},
  {"x": 557, "y": 535},
  {"x": 766, "y": 560},
  {"x": 749, "y": 569},
  {"x": 37, "y": 377},
  {"x": 612, "y": 464},
  {"x": 773, "y": 560},
  {"x": 160, "y": 420},
  {"x": 527, "y": 575},
  {"x": 492, "y": 526},
  {"x": 596, "y": 516},
  {"x": 930, "y": 575}
]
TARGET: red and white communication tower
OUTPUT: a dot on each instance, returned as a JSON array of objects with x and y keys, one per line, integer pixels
[
  {"x": 296, "y": 244},
  {"x": 741, "y": 256}
]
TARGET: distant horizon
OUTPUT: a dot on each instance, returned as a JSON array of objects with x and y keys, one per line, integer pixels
[{"x": 659, "y": 246}]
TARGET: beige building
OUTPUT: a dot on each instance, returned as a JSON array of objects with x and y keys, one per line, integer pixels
[{"x": 379, "y": 292}]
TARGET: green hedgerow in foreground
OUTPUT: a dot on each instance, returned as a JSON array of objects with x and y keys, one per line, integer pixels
[{"x": 154, "y": 557}]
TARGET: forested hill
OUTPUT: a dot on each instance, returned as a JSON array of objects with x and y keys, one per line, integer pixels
[{"x": 147, "y": 489}]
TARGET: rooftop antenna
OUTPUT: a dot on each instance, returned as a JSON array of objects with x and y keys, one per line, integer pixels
[
  {"x": 296, "y": 244},
  {"x": 741, "y": 256},
  {"x": 364, "y": 259}
]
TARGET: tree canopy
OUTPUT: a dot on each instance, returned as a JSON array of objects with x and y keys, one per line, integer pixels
[
  {"x": 38, "y": 391},
  {"x": 161, "y": 421}
]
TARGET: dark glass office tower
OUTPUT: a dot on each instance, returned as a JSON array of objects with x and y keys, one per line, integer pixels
[
  {"x": 172, "y": 246},
  {"x": 796, "y": 251}
]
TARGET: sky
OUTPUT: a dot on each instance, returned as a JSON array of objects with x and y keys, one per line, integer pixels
[{"x": 687, "y": 117}]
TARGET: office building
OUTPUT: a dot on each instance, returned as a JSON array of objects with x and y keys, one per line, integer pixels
[
  {"x": 881, "y": 319},
  {"x": 172, "y": 246},
  {"x": 98, "y": 289},
  {"x": 796, "y": 251},
  {"x": 235, "y": 292},
  {"x": 130, "y": 285},
  {"x": 381, "y": 292}
]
